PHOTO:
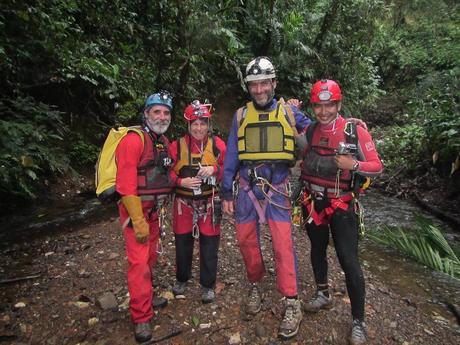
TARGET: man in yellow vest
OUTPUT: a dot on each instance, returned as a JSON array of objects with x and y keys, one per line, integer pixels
[{"x": 260, "y": 152}]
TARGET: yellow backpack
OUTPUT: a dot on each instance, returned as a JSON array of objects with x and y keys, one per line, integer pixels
[{"x": 106, "y": 166}]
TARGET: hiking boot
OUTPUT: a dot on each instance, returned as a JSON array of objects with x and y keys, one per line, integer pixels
[
  {"x": 254, "y": 301},
  {"x": 358, "y": 333},
  {"x": 159, "y": 302},
  {"x": 319, "y": 301},
  {"x": 142, "y": 332},
  {"x": 292, "y": 317},
  {"x": 179, "y": 288},
  {"x": 208, "y": 295}
]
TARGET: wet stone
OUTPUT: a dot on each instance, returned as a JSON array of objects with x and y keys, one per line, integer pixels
[
  {"x": 110, "y": 317},
  {"x": 107, "y": 301},
  {"x": 113, "y": 256}
]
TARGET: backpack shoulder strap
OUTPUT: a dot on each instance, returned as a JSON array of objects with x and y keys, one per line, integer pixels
[
  {"x": 290, "y": 115},
  {"x": 310, "y": 131},
  {"x": 215, "y": 149},
  {"x": 179, "y": 145},
  {"x": 137, "y": 130},
  {"x": 240, "y": 115}
]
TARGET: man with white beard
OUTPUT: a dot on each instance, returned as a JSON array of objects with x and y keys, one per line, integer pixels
[{"x": 143, "y": 183}]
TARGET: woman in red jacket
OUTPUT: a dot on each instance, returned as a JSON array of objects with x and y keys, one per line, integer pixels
[
  {"x": 338, "y": 158},
  {"x": 198, "y": 159}
]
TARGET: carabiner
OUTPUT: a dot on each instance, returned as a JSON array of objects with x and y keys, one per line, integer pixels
[
  {"x": 195, "y": 231},
  {"x": 160, "y": 247}
]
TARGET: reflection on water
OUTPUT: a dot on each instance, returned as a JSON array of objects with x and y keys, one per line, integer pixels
[{"x": 45, "y": 219}]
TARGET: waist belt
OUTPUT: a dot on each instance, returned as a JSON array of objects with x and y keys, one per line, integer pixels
[
  {"x": 318, "y": 191},
  {"x": 157, "y": 198},
  {"x": 325, "y": 215}
]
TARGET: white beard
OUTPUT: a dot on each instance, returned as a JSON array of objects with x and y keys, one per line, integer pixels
[{"x": 158, "y": 126}]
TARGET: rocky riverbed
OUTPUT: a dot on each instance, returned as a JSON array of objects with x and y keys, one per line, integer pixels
[{"x": 74, "y": 292}]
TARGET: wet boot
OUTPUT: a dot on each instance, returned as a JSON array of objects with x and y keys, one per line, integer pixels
[
  {"x": 179, "y": 289},
  {"x": 142, "y": 332},
  {"x": 358, "y": 333},
  {"x": 291, "y": 320},
  {"x": 159, "y": 302},
  {"x": 208, "y": 295},
  {"x": 254, "y": 301},
  {"x": 319, "y": 301}
]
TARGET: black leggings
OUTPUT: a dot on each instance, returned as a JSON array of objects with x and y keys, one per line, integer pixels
[{"x": 344, "y": 230}]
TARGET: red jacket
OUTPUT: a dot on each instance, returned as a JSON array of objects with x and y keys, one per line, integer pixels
[{"x": 318, "y": 166}]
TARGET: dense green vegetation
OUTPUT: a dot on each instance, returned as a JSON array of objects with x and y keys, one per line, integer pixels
[
  {"x": 71, "y": 69},
  {"x": 425, "y": 243}
]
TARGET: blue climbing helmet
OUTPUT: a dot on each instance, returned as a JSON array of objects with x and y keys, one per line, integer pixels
[{"x": 162, "y": 97}]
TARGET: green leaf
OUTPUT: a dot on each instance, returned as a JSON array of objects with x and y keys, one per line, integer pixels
[{"x": 195, "y": 321}]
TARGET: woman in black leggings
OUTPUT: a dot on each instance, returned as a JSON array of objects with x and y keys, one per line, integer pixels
[
  {"x": 344, "y": 229},
  {"x": 339, "y": 156}
]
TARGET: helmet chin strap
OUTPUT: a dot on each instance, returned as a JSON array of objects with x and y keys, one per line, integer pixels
[{"x": 333, "y": 122}]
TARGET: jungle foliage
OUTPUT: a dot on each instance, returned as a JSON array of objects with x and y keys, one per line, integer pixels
[
  {"x": 425, "y": 243},
  {"x": 72, "y": 69}
]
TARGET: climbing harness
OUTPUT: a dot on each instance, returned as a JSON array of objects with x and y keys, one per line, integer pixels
[
  {"x": 268, "y": 190},
  {"x": 200, "y": 210}
]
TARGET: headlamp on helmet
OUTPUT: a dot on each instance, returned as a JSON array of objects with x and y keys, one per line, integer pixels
[
  {"x": 197, "y": 110},
  {"x": 162, "y": 97},
  {"x": 259, "y": 69},
  {"x": 325, "y": 90}
]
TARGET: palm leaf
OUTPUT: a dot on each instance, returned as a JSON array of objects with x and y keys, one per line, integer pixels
[{"x": 425, "y": 243}]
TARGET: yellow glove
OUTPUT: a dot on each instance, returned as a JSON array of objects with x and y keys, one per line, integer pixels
[{"x": 133, "y": 205}]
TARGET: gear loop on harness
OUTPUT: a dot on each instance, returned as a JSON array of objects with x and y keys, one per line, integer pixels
[
  {"x": 160, "y": 249},
  {"x": 359, "y": 210},
  {"x": 161, "y": 207},
  {"x": 334, "y": 201}
]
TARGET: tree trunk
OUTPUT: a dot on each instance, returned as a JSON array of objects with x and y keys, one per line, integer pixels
[{"x": 328, "y": 21}]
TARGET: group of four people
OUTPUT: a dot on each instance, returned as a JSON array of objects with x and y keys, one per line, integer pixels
[{"x": 253, "y": 172}]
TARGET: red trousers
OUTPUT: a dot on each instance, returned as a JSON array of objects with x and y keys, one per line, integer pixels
[{"x": 141, "y": 259}]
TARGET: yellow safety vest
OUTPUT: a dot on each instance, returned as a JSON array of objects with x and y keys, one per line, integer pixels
[
  {"x": 187, "y": 166},
  {"x": 266, "y": 136}
]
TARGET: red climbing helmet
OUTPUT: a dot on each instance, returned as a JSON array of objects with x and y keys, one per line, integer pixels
[
  {"x": 196, "y": 110},
  {"x": 325, "y": 90}
]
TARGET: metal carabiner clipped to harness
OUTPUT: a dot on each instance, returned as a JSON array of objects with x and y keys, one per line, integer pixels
[
  {"x": 195, "y": 228},
  {"x": 162, "y": 220}
]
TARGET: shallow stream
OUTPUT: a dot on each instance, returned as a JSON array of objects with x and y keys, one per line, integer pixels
[{"x": 399, "y": 272}]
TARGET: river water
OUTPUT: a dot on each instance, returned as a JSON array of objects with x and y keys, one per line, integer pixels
[{"x": 403, "y": 274}]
